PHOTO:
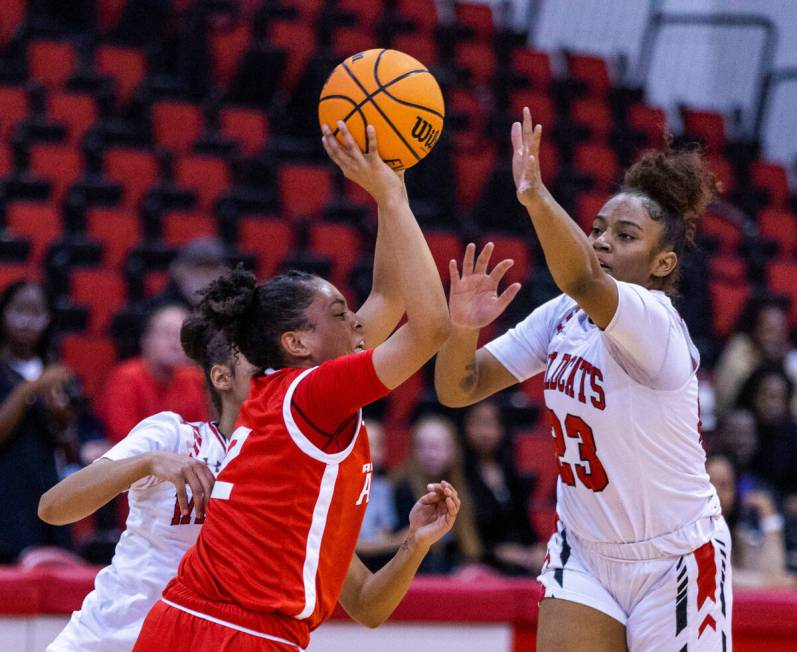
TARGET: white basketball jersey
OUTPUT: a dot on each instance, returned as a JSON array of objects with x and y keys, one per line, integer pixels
[
  {"x": 150, "y": 548},
  {"x": 623, "y": 408}
]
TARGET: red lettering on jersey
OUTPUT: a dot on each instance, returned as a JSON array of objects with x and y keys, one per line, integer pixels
[
  {"x": 599, "y": 400},
  {"x": 585, "y": 368},
  {"x": 572, "y": 377},
  {"x": 562, "y": 377},
  {"x": 560, "y": 370},
  {"x": 179, "y": 519},
  {"x": 548, "y": 374}
]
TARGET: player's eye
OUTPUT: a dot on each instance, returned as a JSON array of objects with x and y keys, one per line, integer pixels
[
  {"x": 596, "y": 231},
  {"x": 626, "y": 236},
  {"x": 341, "y": 315}
]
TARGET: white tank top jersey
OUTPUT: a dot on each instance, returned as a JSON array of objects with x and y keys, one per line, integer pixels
[
  {"x": 624, "y": 411},
  {"x": 151, "y": 546}
]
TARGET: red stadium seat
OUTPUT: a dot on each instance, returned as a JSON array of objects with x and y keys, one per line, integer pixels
[
  {"x": 91, "y": 357},
  {"x": 308, "y": 9},
  {"x": 338, "y": 242},
  {"x": 12, "y": 16},
  {"x": 176, "y": 124},
  {"x": 422, "y": 13},
  {"x": 6, "y": 160},
  {"x": 706, "y": 126},
  {"x": 588, "y": 205},
  {"x": 227, "y": 44},
  {"x": 247, "y": 127},
  {"x": 76, "y": 110},
  {"x": 534, "y": 65},
  {"x": 728, "y": 268},
  {"x": 117, "y": 229},
  {"x": 727, "y": 233},
  {"x": 444, "y": 246},
  {"x": 350, "y": 40},
  {"x": 180, "y": 227},
  {"x": 102, "y": 291},
  {"x": 419, "y": 45},
  {"x": 595, "y": 115},
  {"x": 61, "y": 164},
  {"x": 208, "y": 177},
  {"x": 600, "y": 163},
  {"x": 649, "y": 120},
  {"x": 466, "y": 103},
  {"x": 126, "y": 66},
  {"x": 728, "y": 300},
  {"x": 772, "y": 178},
  {"x": 479, "y": 60},
  {"x": 271, "y": 239},
  {"x": 298, "y": 40},
  {"x": 13, "y": 109},
  {"x": 368, "y": 12},
  {"x": 51, "y": 63},
  {"x": 472, "y": 170},
  {"x": 13, "y": 272},
  {"x": 507, "y": 246},
  {"x": 780, "y": 226},
  {"x": 549, "y": 162},
  {"x": 541, "y": 107},
  {"x": 304, "y": 189},
  {"x": 135, "y": 169},
  {"x": 39, "y": 222},
  {"x": 478, "y": 17},
  {"x": 782, "y": 276},
  {"x": 155, "y": 283},
  {"x": 592, "y": 71}
]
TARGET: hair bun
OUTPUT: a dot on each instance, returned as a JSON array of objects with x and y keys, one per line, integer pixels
[{"x": 229, "y": 297}]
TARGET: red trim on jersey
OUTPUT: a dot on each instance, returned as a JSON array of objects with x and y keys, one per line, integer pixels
[
  {"x": 222, "y": 440},
  {"x": 706, "y": 573}
]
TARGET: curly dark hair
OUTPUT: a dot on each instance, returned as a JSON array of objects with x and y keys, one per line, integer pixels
[
  {"x": 207, "y": 346},
  {"x": 675, "y": 186},
  {"x": 250, "y": 317}
]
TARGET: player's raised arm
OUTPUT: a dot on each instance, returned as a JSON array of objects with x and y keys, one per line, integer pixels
[
  {"x": 417, "y": 279},
  {"x": 569, "y": 255},
  {"x": 370, "y": 598},
  {"x": 384, "y": 307},
  {"x": 463, "y": 375}
]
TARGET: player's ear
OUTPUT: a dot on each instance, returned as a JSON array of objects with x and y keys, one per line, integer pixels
[
  {"x": 221, "y": 377},
  {"x": 294, "y": 344},
  {"x": 664, "y": 263}
]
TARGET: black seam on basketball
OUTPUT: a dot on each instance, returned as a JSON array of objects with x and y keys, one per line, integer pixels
[
  {"x": 382, "y": 87},
  {"x": 381, "y": 112},
  {"x": 368, "y": 96},
  {"x": 355, "y": 110}
]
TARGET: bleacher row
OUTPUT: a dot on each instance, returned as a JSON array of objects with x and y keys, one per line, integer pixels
[{"x": 110, "y": 158}]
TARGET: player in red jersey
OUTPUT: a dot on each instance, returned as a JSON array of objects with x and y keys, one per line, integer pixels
[{"x": 275, "y": 553}]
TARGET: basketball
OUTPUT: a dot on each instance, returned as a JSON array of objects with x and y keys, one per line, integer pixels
[{"x": 392, "y": 91}]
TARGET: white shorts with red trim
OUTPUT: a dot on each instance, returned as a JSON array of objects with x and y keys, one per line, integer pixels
[{"x": 680, "y": 603}]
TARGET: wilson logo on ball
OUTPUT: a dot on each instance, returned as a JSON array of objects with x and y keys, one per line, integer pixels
[{"x": 424, "y": 133}]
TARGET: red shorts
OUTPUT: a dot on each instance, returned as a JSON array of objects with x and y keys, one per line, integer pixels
[{"x": 168, "y": 628}]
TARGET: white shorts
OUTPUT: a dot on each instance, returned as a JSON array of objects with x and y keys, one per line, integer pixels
[{"x": 681, "y": 603}]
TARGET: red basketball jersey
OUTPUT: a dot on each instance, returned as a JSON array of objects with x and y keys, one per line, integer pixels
[{"x": 285, "y": 515}]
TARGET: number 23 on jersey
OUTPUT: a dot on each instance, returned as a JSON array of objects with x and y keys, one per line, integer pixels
[{"x": 588, "y": 469}]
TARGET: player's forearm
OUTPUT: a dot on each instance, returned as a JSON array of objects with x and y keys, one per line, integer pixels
[
  {"x": 456, "y": 372},
  {"x": 381, "y": 592},
  {"x": 568, "y": 253},
  {"x": 85, "y": 491},
  {"x": 417, "y": 279}
]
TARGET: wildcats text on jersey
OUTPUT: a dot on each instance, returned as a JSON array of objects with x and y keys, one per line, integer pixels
[{"x": 568, "y": 373}]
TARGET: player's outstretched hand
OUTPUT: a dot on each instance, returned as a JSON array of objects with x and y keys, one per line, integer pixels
[
  {"x": 365, "y": 169},
  {"x": 434, "y": 514},
  {"x": 182, "y": 471},
  {"x": 526, "y": 159},
  {"x": 474, "y": 301}
]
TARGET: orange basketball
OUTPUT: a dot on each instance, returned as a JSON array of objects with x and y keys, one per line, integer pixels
[{"x": 393, "y": 92}]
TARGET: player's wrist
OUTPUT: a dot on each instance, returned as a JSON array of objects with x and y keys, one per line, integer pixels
[{"x": 414, "y": 545}]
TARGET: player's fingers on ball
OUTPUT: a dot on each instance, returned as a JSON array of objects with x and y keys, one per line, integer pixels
[
  {"x": 373, "y": 146},
  {"x": 348, "y": 140},
  {"x": 484, "y": 258}
]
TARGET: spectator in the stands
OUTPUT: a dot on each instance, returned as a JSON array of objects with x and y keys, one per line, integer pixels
[
  {"x": 759, "y": 554},
  {"x": 436, "y": 454},
  {"x": 196, "y": 264},
  {"x": 38, "y": 419},
  {"x": 379, "y": 540},
  {"x": 161, "y": 378},
  {"x": 736, "y": 438},
  {"x": 499, "y": 495},
  {"x": 767, "y": 393},
  {"x": 762, "y": 338}
]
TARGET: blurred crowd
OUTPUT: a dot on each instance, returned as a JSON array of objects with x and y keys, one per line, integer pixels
[{"x": 48, "y": 429}]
